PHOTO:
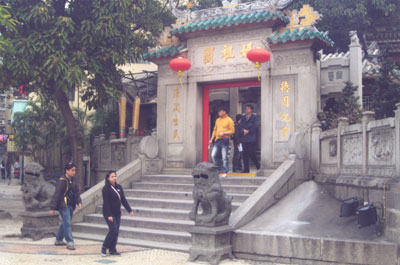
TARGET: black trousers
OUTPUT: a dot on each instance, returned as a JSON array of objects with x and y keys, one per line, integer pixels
[
  {"x": 110, "y": 242},
  {"x": 237, "y": 159},
  {"x": 249, "y": 152}
]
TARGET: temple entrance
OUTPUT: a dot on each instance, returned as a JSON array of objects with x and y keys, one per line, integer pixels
[{"x": 234, "y": 96}]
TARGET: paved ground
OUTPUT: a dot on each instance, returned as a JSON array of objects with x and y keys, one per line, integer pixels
[{"x": 15, "y": 250}]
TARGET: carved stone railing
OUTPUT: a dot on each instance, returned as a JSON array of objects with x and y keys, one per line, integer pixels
[
  {"x": 367, "y": 149},
  {"x": 363, "y": 161},
  {"x": 113, "y": 154}
]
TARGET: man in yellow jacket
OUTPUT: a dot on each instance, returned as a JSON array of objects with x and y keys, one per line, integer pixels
[{"x": 223, "y": 129}]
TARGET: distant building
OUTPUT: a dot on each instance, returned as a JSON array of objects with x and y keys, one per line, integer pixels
[{"x": 356, "y": 66}]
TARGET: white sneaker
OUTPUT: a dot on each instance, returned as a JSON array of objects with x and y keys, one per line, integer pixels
[{"x": 222, "y": 175}]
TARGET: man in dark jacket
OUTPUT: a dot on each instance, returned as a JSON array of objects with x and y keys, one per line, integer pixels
[
  {"x": 65, "y": 199},
  {"x": 249, "y": 125},
  {"x": 237, "y": 154}
]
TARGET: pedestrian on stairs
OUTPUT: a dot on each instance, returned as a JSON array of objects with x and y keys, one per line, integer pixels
[
  {"x": 223, "y": 129},
  {"x": 65, "y": 199},
  {"x": 113, "y": 197},
  {"x": 249, "y": 125}
]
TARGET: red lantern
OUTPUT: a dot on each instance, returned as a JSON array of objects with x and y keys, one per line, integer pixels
[
  {"x": 258, "y": 56},
  {"x": 180, "y": 65}
]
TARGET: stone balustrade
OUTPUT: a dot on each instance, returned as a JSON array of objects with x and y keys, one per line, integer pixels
[
  {"x": 113, "y": 154},
  {"x": 363, "y": 161},
  {"x": 366, "y": 149}
]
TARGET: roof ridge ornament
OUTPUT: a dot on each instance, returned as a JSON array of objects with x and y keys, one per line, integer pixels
[
  {"x": 305, "y": 17},
  {"x": 230, "y": 3},
  {"x": 229, "y": 7}
]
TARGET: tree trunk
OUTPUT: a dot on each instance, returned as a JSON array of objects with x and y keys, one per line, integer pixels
[{"x": 74, "y": 134}]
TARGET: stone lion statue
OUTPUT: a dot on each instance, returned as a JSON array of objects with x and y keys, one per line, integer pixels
[
  {"x": 37, "y": 193},
  {"x": 208, "y": 193},
  {"x": 353, "y": 37}
]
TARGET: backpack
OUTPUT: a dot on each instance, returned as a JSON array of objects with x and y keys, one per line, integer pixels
[{"x": 66, "y": 191}]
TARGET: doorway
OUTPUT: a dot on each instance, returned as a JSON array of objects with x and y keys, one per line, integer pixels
[{"x": 234, "y": 96}]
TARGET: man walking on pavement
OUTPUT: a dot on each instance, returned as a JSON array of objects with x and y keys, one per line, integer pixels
[
  {"x": 249, "y": 124},
  {"x": 65, "y": 199},
  {"x": 223, "y": 130}
]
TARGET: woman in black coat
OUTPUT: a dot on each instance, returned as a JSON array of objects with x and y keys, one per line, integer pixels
[{"x": 113, "y": 196}]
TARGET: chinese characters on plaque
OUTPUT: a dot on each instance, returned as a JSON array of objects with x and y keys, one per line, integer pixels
[
  {"x": 175, "y": 111},
  {"x": 285, "y": 116},
  {"x": 225, "y": 52},
  {"x": 283, "y": 98}
]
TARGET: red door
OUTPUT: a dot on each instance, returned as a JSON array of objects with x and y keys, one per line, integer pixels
[{"x": 206, "y": 108}]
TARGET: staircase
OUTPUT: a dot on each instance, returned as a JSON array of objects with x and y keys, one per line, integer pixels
[{"x": 161, "y": 204}]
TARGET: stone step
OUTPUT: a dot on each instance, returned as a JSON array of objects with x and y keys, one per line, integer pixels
[
  {"x": 178, "y": 195},
  {"x": 177, "y": 171},
  {"x": 136, "y": 242},
  {"x": 166, "y": 203},
  {"x": 155, "y": 212},
  {"x": 188, "y": 179},
  {"x": 244, "y": 189},
  {"x": 135, "y": 232},
  {"x": 145, "y": 222}
]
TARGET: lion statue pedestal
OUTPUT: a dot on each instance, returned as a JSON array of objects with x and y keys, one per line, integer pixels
[
  {"x": 38, "y": 225},
  {"x": 211, "y": 235},
  {"x": 37, "y": 195}
]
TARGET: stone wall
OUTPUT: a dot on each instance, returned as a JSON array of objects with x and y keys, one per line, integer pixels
[{"x": 363, "y": 161}]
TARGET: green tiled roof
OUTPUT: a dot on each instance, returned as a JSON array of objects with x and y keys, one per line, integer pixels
[
  {"x": 164, "y": 52},
  {"x": 297, "y": 35},
  {"x": 228, "y": 21}
]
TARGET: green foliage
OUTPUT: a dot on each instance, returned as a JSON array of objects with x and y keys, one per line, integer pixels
[
  {"x": 39, "y": 128},
  {"x": 344, "y": 106},
  {"x": 104, "y": 120},
  {"x": 61, "y": 45},
  {"x": 342, "y": 16},
  {"x": 8, "y": 23},
  {"x": 79, "y": 44},
  {"x": 386, "y": 90}
]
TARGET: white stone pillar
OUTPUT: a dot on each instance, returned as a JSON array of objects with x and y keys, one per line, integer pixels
[
  {"x": 343, "y": 121},
  {"x": 266, "y": 121},
  {"x": 397, "y": 139},
  {"x": 315, "y": 147},
  {"x": 367, "y": 116},
  {"x": 356, "y": 65}
]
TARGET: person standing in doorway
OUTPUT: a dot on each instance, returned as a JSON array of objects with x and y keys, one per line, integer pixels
[
  {"x": 113, "y": 197},
  {"x": 237, "y": 146},
  {"x": 17, "y": 168},
  {"x": 3, "y": 170},
  {"x": 249, "y": 126},
  {"x": 65, "y": 199},
  {"x": 223, "y": 129}
]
